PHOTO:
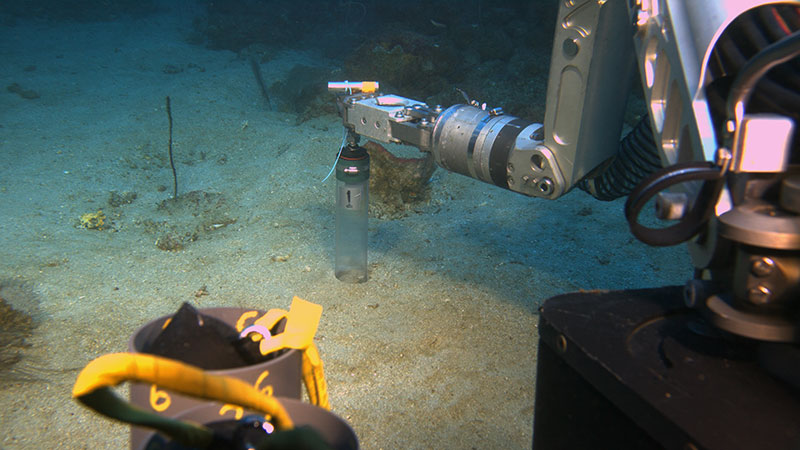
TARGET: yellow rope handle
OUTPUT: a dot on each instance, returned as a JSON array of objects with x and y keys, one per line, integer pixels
[
  {"x": 314, "y": 378},
  {"x": 112, "y": 369}
]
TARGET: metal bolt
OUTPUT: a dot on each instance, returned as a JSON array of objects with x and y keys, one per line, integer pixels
[
  {"x": 546, "y": 186},
  {"x": 762, "y": 267},
  {"x": 759, "y": 295},
  {"x": 510, "y": 168},
  {"x": 723, "y": 158}
]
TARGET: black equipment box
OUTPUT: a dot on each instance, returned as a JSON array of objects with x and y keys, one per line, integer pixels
[{"x": 638, "y": 370}]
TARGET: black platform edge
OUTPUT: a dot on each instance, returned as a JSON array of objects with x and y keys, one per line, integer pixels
[{"x": 671, "y": 387}]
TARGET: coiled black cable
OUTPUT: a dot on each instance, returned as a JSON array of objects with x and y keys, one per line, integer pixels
[
  {"x": 695, "y": 218},
  {"x": 749, "y": 75},
  {"x": 778, "y": 92},
  {"x": 636, "y": 159},
  {"x": 772, "y": 55}
]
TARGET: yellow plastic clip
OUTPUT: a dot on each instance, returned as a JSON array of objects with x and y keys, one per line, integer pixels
[{"x": 302, "y": 322}]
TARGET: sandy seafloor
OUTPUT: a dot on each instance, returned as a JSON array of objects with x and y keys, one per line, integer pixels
[{"x": 437, "y": 350}]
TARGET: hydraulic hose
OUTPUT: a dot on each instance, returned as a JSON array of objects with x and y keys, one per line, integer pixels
[
  {"x": 637, "y": 158},
  {"x": 778, "y": 92},
  {"x": 771, "y": 56},
  {"x": 740, "y": 52},
  {"x": 694, "y": 220}
]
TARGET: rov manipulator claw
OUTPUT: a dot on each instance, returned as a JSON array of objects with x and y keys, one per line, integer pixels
[{"x": 471, "y": 139}]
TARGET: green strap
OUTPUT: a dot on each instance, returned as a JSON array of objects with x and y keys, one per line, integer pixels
[{"x": 106, "y": 402}]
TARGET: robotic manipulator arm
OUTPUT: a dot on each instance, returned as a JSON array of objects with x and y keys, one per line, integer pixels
[
  {"x": 590, "y": 75},
  {"x": 723, "y": 130}
]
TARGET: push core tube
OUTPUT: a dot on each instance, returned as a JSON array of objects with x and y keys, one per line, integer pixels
[{"x": 352, "y": 186}]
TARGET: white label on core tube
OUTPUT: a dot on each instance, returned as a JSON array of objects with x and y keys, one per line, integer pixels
[{"x": 350, "y": 197}]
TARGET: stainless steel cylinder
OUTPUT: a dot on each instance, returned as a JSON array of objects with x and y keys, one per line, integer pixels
[{"x": 475, "y": 143}]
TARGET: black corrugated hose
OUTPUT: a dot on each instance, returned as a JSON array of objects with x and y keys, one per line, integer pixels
[
  {"x": 778, "y": 92},
  {"x": 636, "y": 158}
]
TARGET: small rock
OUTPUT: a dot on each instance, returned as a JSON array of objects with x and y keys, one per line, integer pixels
[
  {"x": 28, "y": 94},
  {"x": 169, "y": 243},
  {"x": 116, "y": 199},
  {"x": 171, "y": 69}
]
